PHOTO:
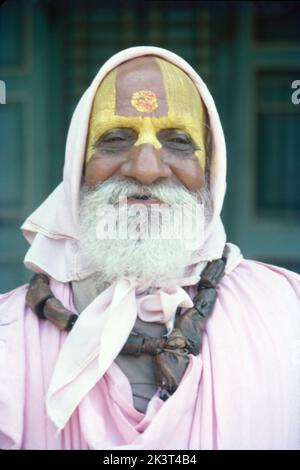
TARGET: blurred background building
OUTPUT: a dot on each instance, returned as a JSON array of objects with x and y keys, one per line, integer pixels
[{"x": 247, "y": 52}]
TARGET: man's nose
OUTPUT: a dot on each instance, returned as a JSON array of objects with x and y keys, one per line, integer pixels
[{"x": 145, "y": 165}]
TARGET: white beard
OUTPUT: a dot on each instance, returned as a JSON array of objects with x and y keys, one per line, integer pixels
[{"x": 150, "y": 261}]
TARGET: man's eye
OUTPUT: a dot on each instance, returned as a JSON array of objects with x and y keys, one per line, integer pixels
[
  {"x": 179, "y": 143},
  {"x": 176, "y": 141},
  {"x": 113, "y": 139},
  {"x": 179, "y": 140},
  {"x": 117, "y": 139}
]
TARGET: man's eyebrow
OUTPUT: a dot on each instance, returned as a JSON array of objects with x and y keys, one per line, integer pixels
[
  {"x": 175, "y": 130},
  {"x": 182, "y": 124},
  {"x": 116, "y": 129},
  {"x": 109, "y": 131},
  {"x": 187, "y": 122}
]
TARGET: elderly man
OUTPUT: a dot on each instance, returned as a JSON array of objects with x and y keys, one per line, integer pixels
[{"x": 130, "y": 337}]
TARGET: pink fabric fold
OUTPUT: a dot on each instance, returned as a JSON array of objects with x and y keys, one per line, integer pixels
[
  {"x": 160, "y": 307},
  {"x": 103, "y": 328},
  {"x": 97, "y": 338},
  {"x": 242, "y": 392}
]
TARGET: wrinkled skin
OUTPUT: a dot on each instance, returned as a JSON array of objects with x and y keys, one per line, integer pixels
[{"x": 116, "y": 156}]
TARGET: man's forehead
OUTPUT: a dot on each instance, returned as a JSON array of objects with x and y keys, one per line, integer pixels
[{"x": 140, "y": 88}]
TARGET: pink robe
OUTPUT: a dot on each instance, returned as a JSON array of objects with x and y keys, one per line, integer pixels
[{"x": 241, "y": 392}]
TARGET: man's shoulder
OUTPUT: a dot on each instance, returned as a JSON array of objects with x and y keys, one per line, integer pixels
[
  {"x": 264, "y": 272},
  {"x": 264, "y": 281},
  {"x": 13, "y": 303},
  {"x": 261, "y": 301},
  {"x": 13, "y": 306},
  {"x": 28, "y": 350},
  {"x": 20, "y": 290}
]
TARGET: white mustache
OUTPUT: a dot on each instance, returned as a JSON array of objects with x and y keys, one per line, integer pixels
[{"x": 170, "y": 193}]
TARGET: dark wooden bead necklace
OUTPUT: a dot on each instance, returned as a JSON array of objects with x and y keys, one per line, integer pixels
[{"x": 170, "y": 353}]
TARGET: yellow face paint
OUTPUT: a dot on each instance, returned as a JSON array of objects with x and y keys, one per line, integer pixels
[{"x": 148, "y": 107}]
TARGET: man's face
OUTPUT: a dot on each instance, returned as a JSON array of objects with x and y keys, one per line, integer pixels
[
  {"x": 144, "y": 129},
  {"x": 145, "y": 143}
]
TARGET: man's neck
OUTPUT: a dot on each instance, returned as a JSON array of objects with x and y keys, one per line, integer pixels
[{"x": 86, "y": 290}]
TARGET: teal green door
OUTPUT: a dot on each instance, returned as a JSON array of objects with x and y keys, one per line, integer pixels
[
  {"x": 25, "y": 130},
  {"x": 257, "y": 65}
]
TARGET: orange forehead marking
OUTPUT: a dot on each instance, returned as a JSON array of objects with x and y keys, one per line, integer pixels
[{"x": 144, "y": 101}]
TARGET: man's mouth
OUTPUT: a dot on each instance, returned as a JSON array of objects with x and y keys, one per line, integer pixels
[
  {"x": 137, "y": 196},
  {"x": 144, "y": 199}
]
